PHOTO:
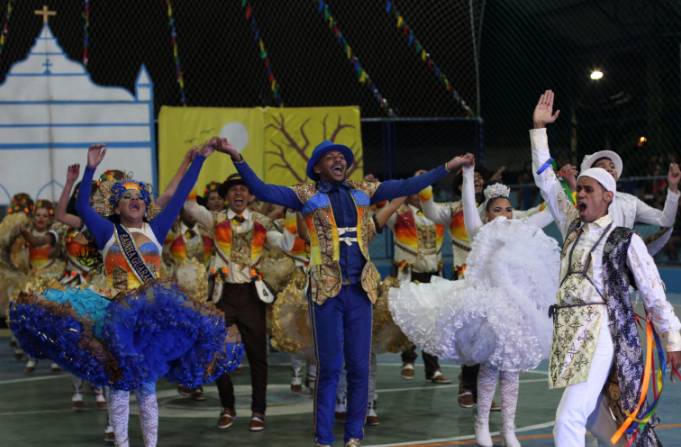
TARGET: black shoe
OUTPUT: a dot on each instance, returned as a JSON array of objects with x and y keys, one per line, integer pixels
[{"x": 109, "y": 437}]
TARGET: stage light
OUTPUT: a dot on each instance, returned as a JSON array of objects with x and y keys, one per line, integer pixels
[
  {"x": 596, "y": 75},
  {"x": 642, "y": 140}
]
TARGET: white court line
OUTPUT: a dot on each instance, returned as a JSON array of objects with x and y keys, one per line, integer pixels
[
  {"x": 463, "y": 438},
  {"x": 440, "y": 387},
  {"x": 34, "y": 379},
  {"x": 62, "y": 376},
  {"x": 533, "y": 371},
  {"x": 34, "y": 412}
]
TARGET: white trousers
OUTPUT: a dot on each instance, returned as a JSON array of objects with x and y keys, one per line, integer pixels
[{"x": 583, "y": 406}]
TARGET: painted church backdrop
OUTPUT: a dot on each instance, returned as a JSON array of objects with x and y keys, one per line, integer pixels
[{"x": 51, "y": 111}]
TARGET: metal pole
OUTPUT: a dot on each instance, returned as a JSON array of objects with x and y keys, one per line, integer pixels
[
  {"x": 476, "y": 58},
  {"x": 479, "y": 136}
]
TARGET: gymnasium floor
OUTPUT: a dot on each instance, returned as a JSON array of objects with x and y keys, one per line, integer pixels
[{"x": 35, "y": 411}]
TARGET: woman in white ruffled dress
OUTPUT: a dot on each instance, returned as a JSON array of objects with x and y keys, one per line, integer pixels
[{"x": 498, "y": 315}]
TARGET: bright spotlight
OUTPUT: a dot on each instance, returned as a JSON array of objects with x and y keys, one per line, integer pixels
[{"x": 596, "y": 75}]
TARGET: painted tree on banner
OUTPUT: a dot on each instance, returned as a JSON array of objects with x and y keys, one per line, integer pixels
[{"x": 291, "y": 135}]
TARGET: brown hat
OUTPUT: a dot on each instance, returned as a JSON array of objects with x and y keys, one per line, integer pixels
[{"x": 232, "y": 180}]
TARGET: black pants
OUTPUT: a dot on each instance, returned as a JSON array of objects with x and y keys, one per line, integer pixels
[
  {"x": 242, "y": 307},
  {"x": 468, "y": 379},
  {"x": 431, "y": 362}
]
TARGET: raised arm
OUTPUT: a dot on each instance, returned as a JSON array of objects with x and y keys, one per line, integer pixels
[
  {"x": 164, "y": 198},
  {"x": 396, "y": 188},
  {"x": 100, "y": 228},
  {"x": 656, "y": 242},
  {"x": 665, "y": 218},
  {"x": 386, "y": 215},
  {"x": 436, "y": 212},
  {"x": 199, "y": 213},
  {"x": 539, "y": 216},
  {"x": 280, "y": 195},
  {"x": 391, "y": 189},
  {"x": 60, "y": 213},
  {"x": 471, "y": 215},
  {"x": 545, "y": 178},
  {"x": 162, "y": 223},
  {"x": 282, "y": 240},
  {"x": 540, "y": 219}
]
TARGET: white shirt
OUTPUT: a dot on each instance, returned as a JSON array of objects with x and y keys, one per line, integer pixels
[
  {"x": 646, "y": 276},
  {"x": 288, "y": 240},
  {"x": 237, "y": 273},
  {"x": 626, "y": 209},
  {"x": 420, "y": 263},
  {"x": 471, "y": 212},
  {"x": 443, "y": 213},
  {"x": 194, "y": 242}
]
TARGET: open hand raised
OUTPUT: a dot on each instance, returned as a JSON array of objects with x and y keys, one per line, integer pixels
[
  {"x": 543, "y": 112},
  {"x": 95, "y": 155},
  {"x": 73, "y": 172}
]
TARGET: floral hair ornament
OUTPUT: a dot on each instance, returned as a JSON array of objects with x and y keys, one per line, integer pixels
[
  {"x": 42, "y": 203},
  {"x": 113, "y": 175},
  {"x": 211, "y": 187},
  {"x": 21, "y": 203},
  {"x": 109, "y": 192},
  {"x": 119, "y": 188}
]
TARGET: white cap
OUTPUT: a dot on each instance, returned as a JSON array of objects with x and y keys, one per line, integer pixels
[
  {"x": 601, "y": 176},
  {"x": 590, "y": 159}
]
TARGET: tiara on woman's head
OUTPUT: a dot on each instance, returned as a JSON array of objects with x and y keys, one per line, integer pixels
[{"x": 496, "y": 190}]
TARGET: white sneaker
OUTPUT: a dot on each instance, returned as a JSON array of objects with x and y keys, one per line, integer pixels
[
  {"x": 100, "y": 400},
  {"x": 407, "y": 372},
  {"x": 55, "y": 368},
  {"x": 77, "y": 402},
  {"x": 372, "y": 417},
  {"x": 341, "y": 409},
  {"x": 296, "y": 384},
  {"x": 109, "y": 436},
  {"x": 30, "y": 366}
]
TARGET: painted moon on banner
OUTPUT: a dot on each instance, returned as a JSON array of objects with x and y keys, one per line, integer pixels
[{"x": 236, "y": 133}]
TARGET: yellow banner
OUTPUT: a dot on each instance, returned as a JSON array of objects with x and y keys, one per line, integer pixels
[
  {"x": 291, "y": 135},
  {"x": 276, "y": 142}
]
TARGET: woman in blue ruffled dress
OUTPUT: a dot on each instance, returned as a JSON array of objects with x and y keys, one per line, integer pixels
[
  {"x": 135, "y": 329},
  {"x": 498, "y": 315}
]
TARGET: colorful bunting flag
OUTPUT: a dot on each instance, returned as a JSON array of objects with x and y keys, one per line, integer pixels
[
  {"x": 413, "y": 42},
  {"x": 176, "y": 52},
  {"x": 360, "y": 73},
  {"x": 262, "y": 51}
]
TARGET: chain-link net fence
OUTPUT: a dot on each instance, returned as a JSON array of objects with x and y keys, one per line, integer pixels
[
  {"x": 455, "y": 59},
  {"x": 304, "y": 45},
  {"x": 635, "y": 109},
  {"x": 531, "y": 46}
]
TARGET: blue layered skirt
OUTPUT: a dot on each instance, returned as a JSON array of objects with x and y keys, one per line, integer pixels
[{"x": 153, "y": 332}]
